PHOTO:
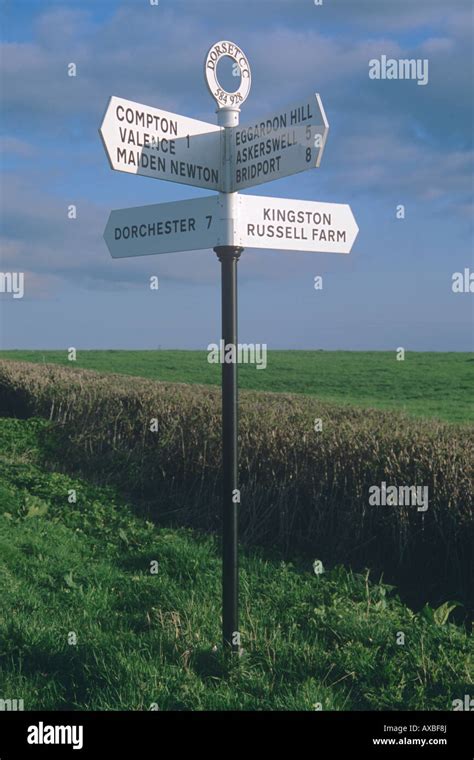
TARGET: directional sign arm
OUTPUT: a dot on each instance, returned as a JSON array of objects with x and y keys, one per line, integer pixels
[
  {"x": 151, "y": 142},
  {"x": 294, "y": 225},
  {"x": 283, "y": 143},
  {"x": 188, "y": 225}
]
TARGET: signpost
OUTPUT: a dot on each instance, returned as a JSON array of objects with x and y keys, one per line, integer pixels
[{"x": 155, "y": 143}]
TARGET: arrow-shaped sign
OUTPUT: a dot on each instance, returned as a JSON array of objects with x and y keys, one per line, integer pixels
[
  {"x": 295, "y": 225},
  {"x": 160, "y": 144},
  {"x": 164, "y": 227},
  {"x": 287, "y": 142}
]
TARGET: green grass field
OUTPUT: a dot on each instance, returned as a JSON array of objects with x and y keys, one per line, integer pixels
[
  {"x": 438, "y": 385},
  {"x": 85, "y": 624}
]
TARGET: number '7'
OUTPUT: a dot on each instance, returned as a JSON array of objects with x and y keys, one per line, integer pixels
[{"x": 209, "y": 220}]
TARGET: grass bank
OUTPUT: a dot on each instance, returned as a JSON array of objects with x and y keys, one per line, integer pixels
[
  {"x": 303, "y": 490},
  {"x": 86, "y": 623}
]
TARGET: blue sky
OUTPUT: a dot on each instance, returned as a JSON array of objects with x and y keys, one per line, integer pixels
[{"x": 390, "y": 142}]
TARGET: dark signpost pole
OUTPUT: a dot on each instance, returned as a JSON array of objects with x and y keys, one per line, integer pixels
[
  {"x": 228, "y": 111},
  {"x": 229, "y": 256}
]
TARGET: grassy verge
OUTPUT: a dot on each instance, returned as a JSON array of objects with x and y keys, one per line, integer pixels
[
  {"x": 425, "y": 384},
  {"x": 144, "y": 638},
  {"x": 303, "y": 490}
]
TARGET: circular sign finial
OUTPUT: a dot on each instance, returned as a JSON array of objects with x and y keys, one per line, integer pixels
[{"x": 223, "y": 98}]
